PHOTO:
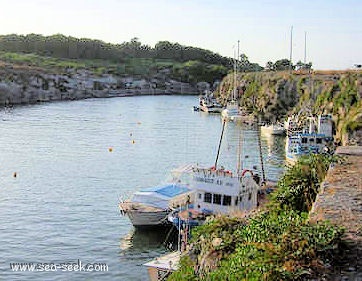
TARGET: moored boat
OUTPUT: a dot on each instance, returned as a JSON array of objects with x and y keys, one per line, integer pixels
[
  {"x": 209, "y": 104},
  {"x": 273, "y": 129},
  {"x": 150, "y": 206},
  {"x": 220, "y": 191},
  {"x": 317, "y": 138}
]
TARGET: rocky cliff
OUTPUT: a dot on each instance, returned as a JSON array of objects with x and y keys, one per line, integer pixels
[
  {"x": 274, "y": 95},
  {"x": 24, "y": 85}
]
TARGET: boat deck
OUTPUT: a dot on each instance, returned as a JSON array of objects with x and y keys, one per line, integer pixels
[
  {"x": 161, "y": 267},
  {"x": 131, "y": 206}
]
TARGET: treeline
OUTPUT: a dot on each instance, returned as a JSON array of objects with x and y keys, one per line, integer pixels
[{"x": 68, "y": 47}]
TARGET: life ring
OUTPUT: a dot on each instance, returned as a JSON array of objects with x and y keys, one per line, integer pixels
[{"x": 247, "y": 171}]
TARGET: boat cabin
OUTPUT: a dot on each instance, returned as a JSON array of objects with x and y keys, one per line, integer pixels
[{"x": 220, "y": 191}]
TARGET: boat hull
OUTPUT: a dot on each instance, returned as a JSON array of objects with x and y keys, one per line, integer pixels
[
  {"x": 272, "y": 131},
  {"x": 148, "y": 219},
  {"x": 143, "y": 216}
]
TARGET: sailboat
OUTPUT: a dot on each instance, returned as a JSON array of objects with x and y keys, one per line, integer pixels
[{"x": 232, "y": 111}]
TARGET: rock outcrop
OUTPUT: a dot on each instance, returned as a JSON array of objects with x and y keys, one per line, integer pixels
[{"x": 25, "y": 85}]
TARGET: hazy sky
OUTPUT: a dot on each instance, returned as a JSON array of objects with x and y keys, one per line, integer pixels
[{"x": 334, "y": 28}]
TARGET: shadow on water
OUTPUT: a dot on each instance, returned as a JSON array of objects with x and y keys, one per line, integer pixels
[{"x": 150, "y": 239}]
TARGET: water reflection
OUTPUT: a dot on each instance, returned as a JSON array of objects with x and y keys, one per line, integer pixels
[{"x": 139, "y": 240}]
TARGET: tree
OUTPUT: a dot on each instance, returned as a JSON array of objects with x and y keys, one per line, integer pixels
[
  {"x": 269, "y": 66},
  {"x": 283, "y": 64}
]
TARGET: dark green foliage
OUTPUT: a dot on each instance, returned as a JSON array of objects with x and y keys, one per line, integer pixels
[
  {"x": 298, "y": 188},
  {"x": 61, "y": 46},
  {"x": 277, "y": 244},
  {"x": 283, "y": 64}
]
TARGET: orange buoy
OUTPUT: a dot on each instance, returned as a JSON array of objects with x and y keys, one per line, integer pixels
[
  {"x": 110, "y": 149},
  {"x": 14, "y": 174},
  {"x": 133, "y": 141}
]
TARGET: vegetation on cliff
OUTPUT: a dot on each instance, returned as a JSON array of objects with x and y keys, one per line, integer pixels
[
  {"x": 189, "y": 64},
  {"x": 274, "y": 95},
  {"x": 271, "y": 95},
  {"x": 278, "y": 243}
]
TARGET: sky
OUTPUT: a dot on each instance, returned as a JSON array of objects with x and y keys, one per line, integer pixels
[{"x": 264, "y": 28}]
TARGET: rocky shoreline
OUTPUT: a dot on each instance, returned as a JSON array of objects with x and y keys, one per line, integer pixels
[{"x": 22, "y": 85}]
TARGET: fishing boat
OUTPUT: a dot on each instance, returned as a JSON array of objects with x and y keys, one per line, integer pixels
[
  {"x": 207, "y": 103},
  {"x": 293, "y": 125},
  {"x": 318, "y": 138},
  {"x": 219, "y": 191},
  {"x": 149, "y": 207}
]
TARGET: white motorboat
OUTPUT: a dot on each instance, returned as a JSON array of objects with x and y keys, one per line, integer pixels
[
  {"x": 233, "y": 113},
  {"x": 149, "y": 207},
  {"x": 209, "y": 104},
  {"x": 273, "y": 129}
]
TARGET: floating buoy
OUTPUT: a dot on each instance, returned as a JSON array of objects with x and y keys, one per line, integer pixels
[
  {"x": 133, "y": 141},
  {"x": 110, "y": 149},
  {"x": 14, "y": 174},
  {"x": 139, "y": 123},
  {"x": 130, "y": 134}
]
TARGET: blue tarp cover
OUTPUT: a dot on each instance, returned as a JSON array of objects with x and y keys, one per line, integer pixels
[{"x": 169, "y": 190}]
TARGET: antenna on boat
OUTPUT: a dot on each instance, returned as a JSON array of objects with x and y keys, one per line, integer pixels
[{"x": 218, "y": 150}]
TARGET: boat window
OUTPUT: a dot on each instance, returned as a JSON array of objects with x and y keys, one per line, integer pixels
[
  {"x": 249, "y": 196},
  {"x": 304, "y": 140},
  {"x": 236, "y": 200},
  {"x": 311, "y": 140},
  {"x": 226, "y": 201},
  {"x": 318, "y": 140},
  {"x": 207, "y": 197},
  {"x": 200, "y": 195},
  {"x": 216, "y": 199}
]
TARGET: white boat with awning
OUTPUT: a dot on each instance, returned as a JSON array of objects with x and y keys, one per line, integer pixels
[{"x": 150, "y": 206}]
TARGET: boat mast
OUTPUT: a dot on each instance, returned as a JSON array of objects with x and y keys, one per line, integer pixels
[
  {"x": 235, "y": 69},
  {"x": 291, "y": 49},
  {"x": 218, "y": 150},
  {"x": 238, "y": 164},
  {"x": 305, "y": 48},
  {"x": 261, "y": 155}
]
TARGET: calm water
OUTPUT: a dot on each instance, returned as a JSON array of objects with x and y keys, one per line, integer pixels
[{"x": 62, "y": 204}]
